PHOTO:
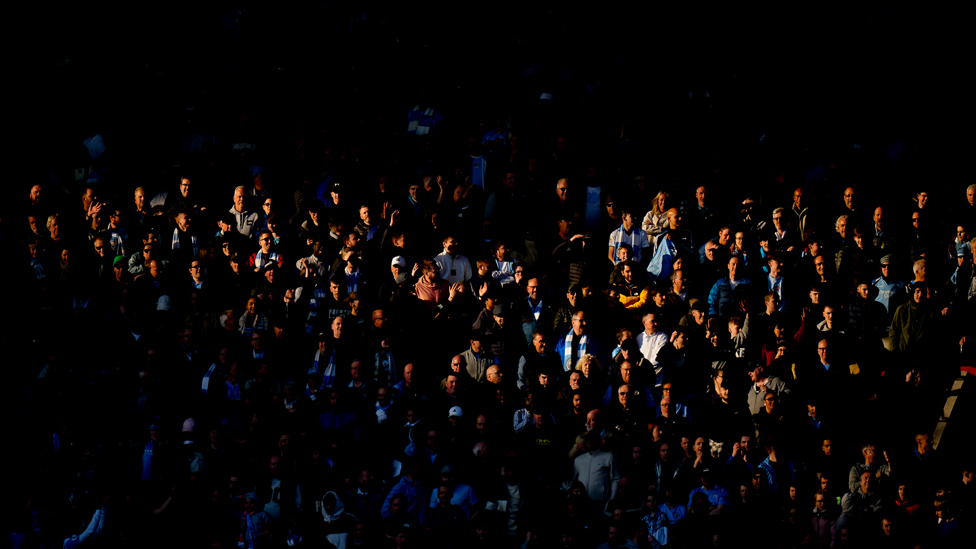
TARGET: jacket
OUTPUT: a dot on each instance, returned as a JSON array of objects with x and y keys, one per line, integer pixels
[
  {"x": 773, "y": 384},
  {"x": 773, "y": 484},
  {"x": 477, "y": 365},
  {"x": 722, "y": 298},
  {"x": 597, "y": 470},
  {"x": 822, "y": 526}
]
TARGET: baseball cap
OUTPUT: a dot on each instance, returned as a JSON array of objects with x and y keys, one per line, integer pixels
[
  {"x": 456, "y": 411},
  {"x": 255, "y": 170},
  {"x": 118, "y": 259},
  {"x": 162, "y": 304},
  {"x": 190, "y": 425},
  {"x": 885, "y": 260},
  {"x": 399, "y": 261},
  {"x": 447, "y": 469},
  {"x": 498, "y": 310}
]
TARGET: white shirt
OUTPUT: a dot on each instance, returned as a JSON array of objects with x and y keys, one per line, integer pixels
[
  {"x": 651, "y": 344},
  {"x": 453, "y": 269}
]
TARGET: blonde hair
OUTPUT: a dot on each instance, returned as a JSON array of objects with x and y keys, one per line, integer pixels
[
  {"x": 588, "y": 359},
  {"x": 654, "y": 208}
]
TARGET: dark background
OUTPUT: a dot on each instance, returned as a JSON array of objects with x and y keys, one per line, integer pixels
[{"x": 815, "y": 81}]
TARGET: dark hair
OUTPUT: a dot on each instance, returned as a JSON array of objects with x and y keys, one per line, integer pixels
[{"x": 629, "y": 345}]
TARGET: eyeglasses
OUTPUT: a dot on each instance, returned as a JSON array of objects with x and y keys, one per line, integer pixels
[
  {"x": 775, "y": 218},
  {"x": 623, "y": 393},
  {"x": 147, "y": 250},
  {"x": 264, "y": 240},
  {"x": 99, "y": 247},
  {"x": 267, "y": 204},
  {"x": 195, "y": 267},
  {"x": 609, "y": 204}
]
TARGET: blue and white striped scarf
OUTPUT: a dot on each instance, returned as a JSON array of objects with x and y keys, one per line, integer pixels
[
  {"x": 328, "y": 375},
  {"x": 205, "y": 386},
  {"x": 193, "y": 240},
  {"x": 352, "y": 281},
  {"x": 568, "y": 350},
  {"x": 318, "y": 297},
  {"x": 249, "y": 537},
  {"x": 261, "y": 259}
]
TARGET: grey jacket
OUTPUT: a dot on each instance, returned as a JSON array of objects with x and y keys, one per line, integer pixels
[{"x": 773, "y": 384}]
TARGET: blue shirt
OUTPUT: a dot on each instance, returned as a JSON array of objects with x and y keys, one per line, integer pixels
[
  {"x": 637, "y": 239},
  {"x": 673, "y": 515},
  {"x": 886, "y": 290},
  {"x": 464, "y": 497},
  {"x": 716, "y": 495}
]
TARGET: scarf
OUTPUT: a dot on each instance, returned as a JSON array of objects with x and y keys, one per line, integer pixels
[
  {"x": 352, "y": 281},
  {"x": 261, "y": 259},
  {"x": 206, "y": 378},
  {"x": 661, "y": 263},
  {"x": 233, "y": 391},
  {"x": 328, "y": 376},
  {"x": 248, "y": 537},
  {"x": 568, "y": 350},
  {"x": 381, "y": 412},
  {"x": 193, "y": 240},
  {"x": 536, "y": 310},
  {"x": 384, "y": 370}
]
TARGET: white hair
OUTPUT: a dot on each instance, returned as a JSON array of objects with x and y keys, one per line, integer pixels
[
  {"x": 479, "y": 448},
  {"x": 837, "y": 223}
]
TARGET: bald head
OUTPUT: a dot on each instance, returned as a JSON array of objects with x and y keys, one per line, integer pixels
[
  {"x": 673, "y": 218},
  {"x": 494, "y": 374},
  {"x": 592, "y": 419}
]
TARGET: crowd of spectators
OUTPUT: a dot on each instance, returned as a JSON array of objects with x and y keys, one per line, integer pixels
[{"x": 492, "y": 338}]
